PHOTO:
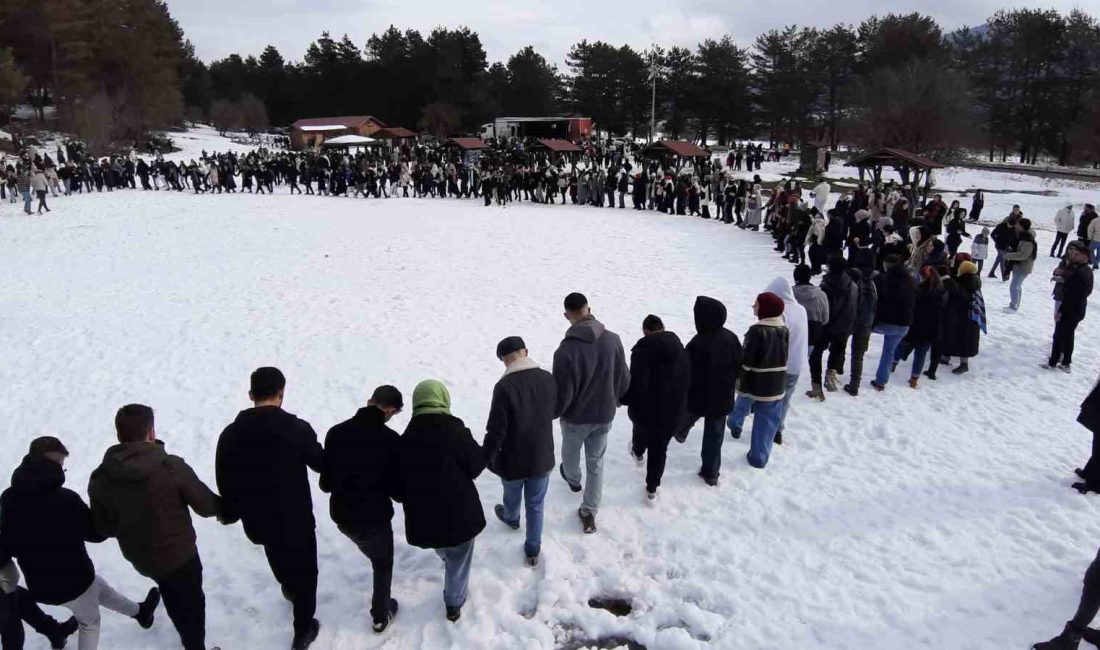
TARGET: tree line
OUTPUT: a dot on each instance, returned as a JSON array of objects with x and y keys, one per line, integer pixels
[{"x": 1024, "y": 85}]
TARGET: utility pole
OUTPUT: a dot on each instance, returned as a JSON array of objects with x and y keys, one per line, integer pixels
[{"x": 653, "y": 102}]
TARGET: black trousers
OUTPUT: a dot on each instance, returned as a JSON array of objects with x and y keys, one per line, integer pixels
[
  {"x": 293, "y": 562},
  {"x": 17, "y": 608},
  {"x": 1090, "y": 596},
  {"x": 1061, "y": 351},
  {"x": 185, "y": 603},
  {"x": 655, "y": 442},
  {"x": 377, "y": 544},
  {"x": 1059, "y": 246},
  {"x": 836, "y": 345}
]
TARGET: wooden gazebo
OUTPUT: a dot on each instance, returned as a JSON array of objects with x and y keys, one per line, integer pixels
[
  {"x": 915, "y": 170},
  {"x": 678, "y": 149}
]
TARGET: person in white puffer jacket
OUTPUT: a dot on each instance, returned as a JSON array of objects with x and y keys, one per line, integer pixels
[{"x": 1064, "y": 222}]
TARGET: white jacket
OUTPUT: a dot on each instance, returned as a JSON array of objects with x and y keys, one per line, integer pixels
[
  {"x": 797, "y": 325},
  {"x": 1064, "y": 220}
]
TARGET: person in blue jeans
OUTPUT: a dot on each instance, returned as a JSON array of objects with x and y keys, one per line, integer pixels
[
  {"x": 924, "y": 334},
  {"x": 715, "y": 355},
  {"x": 897, "y": 295},
  {"x": 519, "y": 440},
  {"x": 763, "y": 378}
]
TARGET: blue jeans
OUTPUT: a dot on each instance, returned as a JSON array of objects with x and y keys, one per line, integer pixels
[
  {"x": 1015, "y": 288},
  {"x": 533, "y": 493},
  {"x": 891, "y": 336},
  {"x": 1095, "y": 249},
  {"x": 741, "y": 409},
  {"x": 792, "y": 383},
  {"x": 456, "y": 572},
  {"x": 27, "y": 201},
  {"x": 765, "y": 423},
  {"x": 920, "y": 353},
  {"x": 593, "y": 437},
  {"x": 714, "y": 433}
]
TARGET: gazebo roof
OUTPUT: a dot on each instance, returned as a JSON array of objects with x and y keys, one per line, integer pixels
[
  {"x": 677, "y": 147},
  {"x": 469, "y": 143},
  {"x": 893, "y": 158},
  {"x": 395, "y": 133},
  {"x": 560, "y": 146}
]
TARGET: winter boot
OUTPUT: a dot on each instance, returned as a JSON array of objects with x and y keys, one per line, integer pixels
[
  {"x": 573, "y": 487},
  {"x": 931, "y": 375},
  {"x": 831, "y": 380},
  {"x": 498, "y": 510},
  {"x": 913, "y": 382},
  {"x": 1067, "y": 640},
  {"x": 453, "y": 614},
  {"x": 588, "y": 521},
  {"x": 61, "y": 633},
  {"x": 380, "y": 626},
  {"x": 305, "y": 638},
  {"x": 778, "y": 437},
  {"x": 962, "y": 369},
  {"x": 816, "y": 393},
  {"x": 148, "y": 608},
  {"x": 852, "y": 389}
]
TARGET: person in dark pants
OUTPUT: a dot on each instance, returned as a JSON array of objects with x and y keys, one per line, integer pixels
[
  {"x": 143, "y": 497},
  {"x": 1087, "y": 608},
  {"x": 360, "y": 466},
  {"x": 843, "y": 295},
  {"x": 715, "y": 355},
  {"x": 1089, "y": 418},
  {"x": 519, "y": 440},
  {"x": 261, "y": 466},
  {"x": 18, "y": 607},
  {"x": 660, "y": 375},
  {"x": 1071, "y": 293}
]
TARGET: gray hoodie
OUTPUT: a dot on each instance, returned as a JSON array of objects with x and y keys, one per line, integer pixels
[{"x": 591, "y": 373}]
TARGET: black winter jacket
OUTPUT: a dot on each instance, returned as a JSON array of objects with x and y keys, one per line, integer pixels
[
  {"x": 437, "y": 465},
  {"x": 715, "y": 355},
  {"x": 261, "y": 465},
  {"x": 897, "y": 294},
  {"x": 1075, "y": 291},
  {"x": 45, "y": 526},
  {"x": 767, "y": 346},
  {"x": 519, "y": 435},
  {"x": 843, "y": 295},
  {"x": 360, "y": 470},
  {"x": 660, "y": 374},
  {"x": 927, "y": 316}
]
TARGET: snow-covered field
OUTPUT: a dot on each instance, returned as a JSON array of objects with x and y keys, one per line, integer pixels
[{"x": 936, "y": 518}]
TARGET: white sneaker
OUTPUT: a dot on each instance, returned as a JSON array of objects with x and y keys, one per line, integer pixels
[
  {"x": 650, "y": 498},
  {"x": 1064, "y": 368},
  {"x": 1009, "y": 310},
  {"x": 638, "y": 460}
]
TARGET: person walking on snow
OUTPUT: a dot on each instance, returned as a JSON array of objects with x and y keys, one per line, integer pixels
[
  {"x": 1073, "y": 287},
  {"x": 1064, "y": 223},
  {"x": 897, "y": 295},
  {"x": 797, "y": 320},
  {"x": 519, "y": 440},
  {"x": 592, "y": 376},
  {"x": 763, "y": 374}
]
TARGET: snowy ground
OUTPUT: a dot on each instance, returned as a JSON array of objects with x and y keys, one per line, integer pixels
[{"x": 936, "y": 518}]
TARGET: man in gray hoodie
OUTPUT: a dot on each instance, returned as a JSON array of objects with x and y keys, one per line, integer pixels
[{"x": 592, "y": 377}]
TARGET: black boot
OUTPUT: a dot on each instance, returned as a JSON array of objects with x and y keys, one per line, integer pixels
[
  {"x": 148, "y": 608},
  {"x": 306, "y": 637},
  {"x": 61, "y": 634},
  {"x": 1067, "y": 640}
]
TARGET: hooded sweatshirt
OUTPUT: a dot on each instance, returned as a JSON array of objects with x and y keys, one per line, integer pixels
[
  {"x": 591, "y": 373},
  {"x": 144, "y": 497},
  {"x": 715, "y": 354},
  {"x": 45, "y": 526},
  {"x": 1064, "y": 220},
  {"x": 798, "y": 325}
]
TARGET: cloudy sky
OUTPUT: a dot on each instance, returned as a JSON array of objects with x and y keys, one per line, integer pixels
[{"x": 220, "y": 27}]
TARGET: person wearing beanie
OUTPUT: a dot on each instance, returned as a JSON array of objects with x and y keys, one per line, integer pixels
[
  {"x": 763, "y": 374},
  {"x": 519, "y": 440},
  {"x": 438, "y": 461},
  {"x": 262, "y": 467},
  {"x": 897, "y": 295},
  {"x": 657, "y": 401},
  {"x": 715, "y": 354},
  {"x": 1022, "y": 262},
  {"x": 592, "y": 376},
  {"x": 360, "y": 475}
]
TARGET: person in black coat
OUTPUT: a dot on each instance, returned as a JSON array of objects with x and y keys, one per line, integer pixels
[
  {"x": 1089, "y": 417},
  {"x": 897, "y": 296},
  {"x": 924, "y": 333},
  {"x": 519, "y": 439},
  {"x": 45, "y": 527},
  {"x": 964, "y": 317},
  {"x": 660, "y": 375},
  {"x": 262, "y": 461},
  {"x": 359, "y": 473},
  {"x": 17, "y": 607},
  {"x": 715, "y": 356},
  {"x": 437, "y": 464},
  {"x": 1074, "y": 285},
  {"x": 843, "y": 295}
]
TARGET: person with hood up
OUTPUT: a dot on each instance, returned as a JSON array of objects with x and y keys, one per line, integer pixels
[
  {"x": 797, "y": 321},
  {"x": 764, "y": 369},
  {"x": 45, "y": 527},
  {"x": 143, "y": 497},
  {"x": 716, "y": 360},
  {"x": 438, "y": 461},
  {"x": 1064, "y": 223},
  {"x": 262, "y": 464},
  {"x": 843, "y": 296},
  {"x": 979, "y": 248},
  {"x": 1022, "y": 258},
  {"x": 519, "y": 439},
  {"x": 361, "y": 475},
  {"x": 657, "y": 401},
  {"x": 897, "y": 295},
  {"x": 592, "y": 376},
  {"x": 815, "y": 237}
]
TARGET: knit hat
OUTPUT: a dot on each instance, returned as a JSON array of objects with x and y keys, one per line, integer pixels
[
  {"x": 769, "y": 305},
  {"x": 968, "y": 268},
  {"x": 510, "y": 345}
]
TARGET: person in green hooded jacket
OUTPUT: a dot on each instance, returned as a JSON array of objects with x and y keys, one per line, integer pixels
[{"x": 438, "y": 462}]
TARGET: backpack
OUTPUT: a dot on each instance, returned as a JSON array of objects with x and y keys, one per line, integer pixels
[{"x": 867, "y": 306}]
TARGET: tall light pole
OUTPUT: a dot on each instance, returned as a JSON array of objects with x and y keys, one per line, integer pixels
[{"x": 653, "y": 102}]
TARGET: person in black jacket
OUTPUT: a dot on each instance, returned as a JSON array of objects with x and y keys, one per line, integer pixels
[
  {"x": 1074, "y": 285},
  {"x": 897, "y": 295},
  {"x": 519, "y": 439},
  {"x": 715, "y": 356},
  {"x": 438, "y": 461},
  {"x": 359, "y": 473},
  {"x": 660, "y": 375},
  {"x": 45, "y": 527},
  {"x": 843, "y": 295},
  {"x": 924, "y": 334},
  {"x": 261, "y": 465}
]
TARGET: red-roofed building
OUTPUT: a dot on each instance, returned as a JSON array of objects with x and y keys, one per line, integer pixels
[{"x": 312, "y": 132}]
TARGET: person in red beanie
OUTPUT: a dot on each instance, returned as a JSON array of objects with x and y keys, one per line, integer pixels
[{"x": 763, "y": 376}]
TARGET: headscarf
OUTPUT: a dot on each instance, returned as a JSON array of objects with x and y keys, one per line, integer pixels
[{"x": 431, "y": 397}]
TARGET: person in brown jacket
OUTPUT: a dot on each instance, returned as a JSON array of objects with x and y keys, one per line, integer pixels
[{"x": 143, "y": 496}]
